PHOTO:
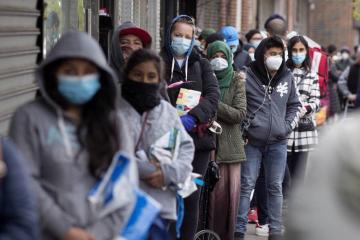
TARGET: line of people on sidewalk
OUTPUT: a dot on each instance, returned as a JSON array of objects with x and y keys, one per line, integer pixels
[{"x": 161, "y": 109}]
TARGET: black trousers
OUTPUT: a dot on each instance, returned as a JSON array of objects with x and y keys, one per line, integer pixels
[
  {"x": 297, "y": 165},
  {"x": 191, "y": 203}
]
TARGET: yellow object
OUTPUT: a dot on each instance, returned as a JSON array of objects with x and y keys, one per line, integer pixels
[{"x": 321, "y": 116}]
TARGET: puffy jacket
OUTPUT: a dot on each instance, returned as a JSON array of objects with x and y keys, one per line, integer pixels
[
  {"x": 231, "y": 112},
  {"x": 153, "y": 129},
  {"x": 197, "y": 71}
]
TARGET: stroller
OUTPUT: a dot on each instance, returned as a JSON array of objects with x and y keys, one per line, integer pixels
[{"x": 212, "y": 176}]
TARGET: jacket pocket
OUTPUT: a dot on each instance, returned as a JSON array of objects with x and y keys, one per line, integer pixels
[
  {"x": 278, "y": 128},
  {"x": 259, "y": 127}
]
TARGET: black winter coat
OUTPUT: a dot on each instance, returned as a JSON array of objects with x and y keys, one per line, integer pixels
[
  {"x": 201, "y": 78},
  {"x": 241, "y": 60}
]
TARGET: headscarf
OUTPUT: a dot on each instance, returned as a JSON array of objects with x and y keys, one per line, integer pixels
[
  {"x": 206, "y": 33},
  {"x": 224, "y": 76}
]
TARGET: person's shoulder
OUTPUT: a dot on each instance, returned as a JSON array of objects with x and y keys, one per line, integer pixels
[
  {"x": 166, "y": 106},
  {"x": 33, "y": 107},
  {"x": 239, "y": 76}
]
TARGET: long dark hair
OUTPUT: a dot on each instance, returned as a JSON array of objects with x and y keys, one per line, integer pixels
[
  {"x": 294, "y": 40},
  {"x": 145, "y": 55},
  {"x": 98, "y": 130}
]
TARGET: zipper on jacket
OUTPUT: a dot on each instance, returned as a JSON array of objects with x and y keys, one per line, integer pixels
[{"x": 270, "y": 120}]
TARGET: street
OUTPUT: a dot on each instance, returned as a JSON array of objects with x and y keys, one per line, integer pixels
[{"x": 250, "y": 234}]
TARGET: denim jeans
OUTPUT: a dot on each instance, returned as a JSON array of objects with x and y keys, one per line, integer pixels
[{"x": 274, "y": 160}]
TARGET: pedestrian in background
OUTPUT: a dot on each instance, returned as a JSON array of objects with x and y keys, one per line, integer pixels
[
  {"x": 349, "y": 82},
  {"x": 224, "y": 200},
  {"x": 202, "y": 38},
  {"x": 273, "y": 109},
  {"x": 127, "y": 38},
  {"x": 69, "y": 137},
  {"x": 151, "y": 119},
  {"x": 187, "y": 70},
  {"x": 304, "y": 138},
  {"x": 241, "y": 57},
  {"x": 254, "y": 37},
  {"x": 18, "y": 213},
  {"x": 345, "y": 59}
]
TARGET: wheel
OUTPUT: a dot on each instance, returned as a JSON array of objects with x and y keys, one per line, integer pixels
[{"x": 206, "y": 235}]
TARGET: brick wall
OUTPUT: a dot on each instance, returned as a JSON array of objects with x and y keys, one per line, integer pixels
[
  {"x": 330, "y": 21},
  {"x": 216, "y": 13},
  {"x": 248, "y": 15},
  {"x": 208, "y": 14}
]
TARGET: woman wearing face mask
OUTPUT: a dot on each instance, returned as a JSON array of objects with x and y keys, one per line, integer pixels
[
  {"x": 152, "y": 119},
  {"x": 230, "y": 147},
  {"x": 69, "y": 137},
  {"x": 250, "y": 50},
  {"x": 186, "y": 69},
  {"x": 303, "y": 139}
]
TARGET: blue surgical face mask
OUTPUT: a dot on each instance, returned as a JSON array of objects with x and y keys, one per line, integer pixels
[
  {"x": 234, "y": 48},
  {"x": 298, "y": 58},
  {"x": 180, "y": 45},
  {"x": 78, "y": 90}
]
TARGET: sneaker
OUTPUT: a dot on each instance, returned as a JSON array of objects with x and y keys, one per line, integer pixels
[
  {"x": 262, "y": 230},
  {"x": 239, "y": 236},
  {"x": 252, "y": 216}
]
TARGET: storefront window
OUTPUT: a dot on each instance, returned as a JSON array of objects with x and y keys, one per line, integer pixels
[{"x": 61, "y": 16}]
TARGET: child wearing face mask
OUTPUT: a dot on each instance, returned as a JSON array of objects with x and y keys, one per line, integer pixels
[
  {"x": 187, "y": 70},
  {"x": 230, "y": 144},
  {"x": 69, "y": 137},
  {"x": 162, "y": 171},
  {"x": 303, "y": 139}
]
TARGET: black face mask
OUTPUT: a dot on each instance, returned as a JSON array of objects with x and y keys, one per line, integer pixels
[{"x": 142, "y": 96}]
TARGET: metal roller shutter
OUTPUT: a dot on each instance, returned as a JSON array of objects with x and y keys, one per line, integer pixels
[{"x": 18, "y": 55}]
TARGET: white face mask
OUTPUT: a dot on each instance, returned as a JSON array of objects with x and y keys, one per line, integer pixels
[
  {"x": 255, "y": 43},
  {"x": 252, "y": 56},
  {"x": 219, "y": 64},
  {"x": 345, "y": 56},
  {"x": 273, "y": 63}
]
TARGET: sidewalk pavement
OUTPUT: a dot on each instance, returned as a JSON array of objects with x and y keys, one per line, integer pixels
[{"x": 250, "y": 234}]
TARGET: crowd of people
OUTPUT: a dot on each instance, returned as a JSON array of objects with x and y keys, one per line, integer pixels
[{"x": 248, "y": 103}]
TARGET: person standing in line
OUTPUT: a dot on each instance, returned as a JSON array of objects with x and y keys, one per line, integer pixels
[
  {"x": 304, "y": 137},
  {"x": 160, "y": 172},
  {"x": 230, "y": 144},
  {"x": 254, "y": 37},
  {"x": 273, "y": 109},
  {"x": 69, "y": 137},
  {"x": 241, "y": 57},
  {"x": 127, "y": 38},
  {"x": 349, "y": 81},
  {"x": 187, "y": 70}
]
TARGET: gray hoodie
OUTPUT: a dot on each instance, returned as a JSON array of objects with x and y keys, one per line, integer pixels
[
  {"x": 161, "y": 120},
  {"x": 48, "y": 141}
]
